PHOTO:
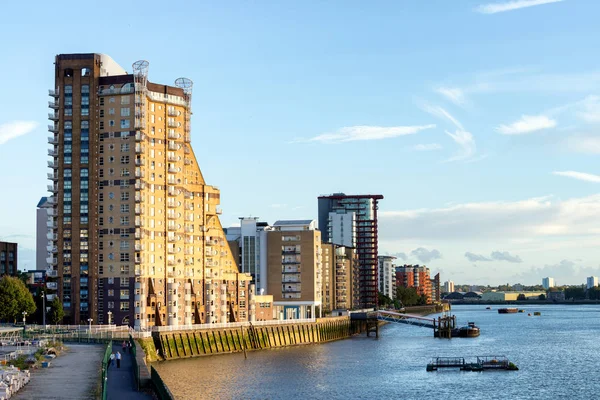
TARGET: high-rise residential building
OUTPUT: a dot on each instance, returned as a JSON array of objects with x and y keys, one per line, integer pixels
[
  {"x": 294, "y": 269},
  {"x": 387, "y": 276},
  {"x": 417, "y": 277},
  {"x": 135, "y": 229},
  {"x": 592, "y": 282},
  {"x": 548, "y": 283},
  {"x": 351, "y": 220},
  {"x": 8, "y": 259},
  {"x": 338, "y": 265},
  {"x": 43, "y": 221},
  {"x": 436, "y": 295},
  {"x": 449, "y": 287},
  {"x": 248, "y": 243}
]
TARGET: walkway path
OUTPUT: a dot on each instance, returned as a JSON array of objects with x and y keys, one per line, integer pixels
[
  {"x": 75, "y": 374},
  {"x": 121, "y": 381}
]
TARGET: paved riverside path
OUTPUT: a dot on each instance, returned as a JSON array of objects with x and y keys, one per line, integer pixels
[
  {"x": 75, "y": 374},
  {"x": 121, "y": 381}
]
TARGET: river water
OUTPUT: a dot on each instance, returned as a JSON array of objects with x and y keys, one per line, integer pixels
[{"x": 558, "y": 354}]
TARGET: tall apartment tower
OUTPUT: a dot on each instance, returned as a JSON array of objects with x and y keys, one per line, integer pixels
[
  {"x": 548, "y": 283},
  {"x": 338, "y": 265},
  {"x": 135, "y": 233},
  {"x": 351, "y": 220},
  {"x": 387, "y": 276},
  {"x": 294, "y": 275}
]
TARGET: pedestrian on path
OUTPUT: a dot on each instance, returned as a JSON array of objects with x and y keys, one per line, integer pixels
[
  {"x": 118, "y": 360},
  {"x": 129, "y": 346},
  {"x": 124, "y": 345},
  {"x": 112, "y": 359}
]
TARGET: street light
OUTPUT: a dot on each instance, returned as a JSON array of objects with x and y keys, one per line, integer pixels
[
  {"x": 24, "y": 314},
  {"x": 90, "y": 330},
  {"x": 44, "y": 309},
  {"x": 109, "y": 315}
]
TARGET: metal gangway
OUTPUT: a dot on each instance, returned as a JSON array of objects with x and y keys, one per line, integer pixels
[{"x": 402, "y": 318}]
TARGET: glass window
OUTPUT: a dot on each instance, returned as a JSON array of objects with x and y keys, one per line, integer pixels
[
  {"x": 125, "y": 147},
  {"x": 125, "y": 111},
  {"x": 85, "y": 88},
  {"x": 125, "y": 100},
  {"x": 125, "y": 124},
  {"x": 84, "y": 172}
]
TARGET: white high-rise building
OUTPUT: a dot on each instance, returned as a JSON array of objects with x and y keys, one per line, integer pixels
[
  {"x": 42, "y": 249},
  {"x": 387, "y": 276},
  {"x": 548, "y": 283},
  {"x": 448, "y": 286},
  {"x": 592, "y": 281}
]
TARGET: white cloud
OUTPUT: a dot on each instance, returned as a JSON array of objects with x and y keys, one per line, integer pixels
[
  {"x": 527, "y": 124},
  {"x": 424, "y": 255},
  {"x": 505, "y": 256},
  {"x": 590, "y": 110},
  {"x": 467, "y": 144},
  {"x": 584, "y": 144},
  {"x": 535, "y": 218},
  {"x": 493, "y": 8},
  {"x": 427, "y": 147},
  {"x": 443, "y": 114},
  {"x": 355, "y": 133},
  {"x": 582, "y": 176},
  {"x": 472, "y": 257},
  {"x": 15, "y": 129},
  {"x": 454, "y": 94}
]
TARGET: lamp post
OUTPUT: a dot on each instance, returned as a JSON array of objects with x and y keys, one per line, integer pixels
[
  {"x": 109, "y": 315},
  {"x": 24, "y": 314},
  {"x": 44, "y": 309},
  {"x": 90, "y": 329}
]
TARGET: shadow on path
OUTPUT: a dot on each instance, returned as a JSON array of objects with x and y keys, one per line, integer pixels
[{"x": 121, "y": 381}]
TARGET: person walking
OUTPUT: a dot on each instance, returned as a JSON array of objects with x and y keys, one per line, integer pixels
[
  {"x": 124, "y": 346},
  {"x": 112, "y": 359},
  {"x": 118, "y": 360},
  {"x": 129, "y": 346}
]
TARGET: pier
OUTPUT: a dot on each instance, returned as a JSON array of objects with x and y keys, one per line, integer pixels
[{"x": 443, "y": 327}]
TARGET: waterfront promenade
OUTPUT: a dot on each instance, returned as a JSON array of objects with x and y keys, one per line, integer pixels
[
  {"x": 121, "y": 381},
  {"x": 72, "y": 375}
]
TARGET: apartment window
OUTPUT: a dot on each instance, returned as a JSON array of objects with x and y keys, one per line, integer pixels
[
  {"x": 124, "y": 295},
  {"x": 67, "y": 173},
  {"x": 124, "y": 282},
  {"x": 111, "y": 100},
  {"x": 101, "y": 101},
  {"x": 84, "y": 184},
  {"x": 125, "y": 124},
  {"x": 84, "y": 197},
  {"x": 68, "y": 112},
  {"x": 66, "y": 209},
  {"x": 83, "y": 219},
  {"x": 68, "y": 89},
  {"x": 124, "y": 257},
  {"x": 124, "y": 306},
  {"x": 124, "y": 172},
  {"x": 83, "y": 209},
  {"x": 125, "y": 147},
  {"x": 85, "y": 88},
  {"x": 111, "y": 292},
  {"x": 124, "y": 159},
  {"x": 67, "y": 160},
  {"x": 125, "y": 269},
  {"x": 124, "y": 208},
  {"x": 85, "y": 111},
  {"x": 111, "y": 281},
  {"x": 125, "y": 100},
  {"x": 67, "y": 196},
  {"x": 125, "y": 112},
  {"x": 124, "y": 196},
  {"x": 84, "y": 172},
  {"x": 110, "y": 304},
  {"x": 124, "y": 233},
  {"x": 124, "y": 220},
  {"x": 111, "y": 122},
  {"x": 124, "y": 245},
  {"x": 68, "y": 149},
  {"x": 67, "y": 184},
  {"x": 67, "y": 220},
  {"x": 84, "y": 160}
]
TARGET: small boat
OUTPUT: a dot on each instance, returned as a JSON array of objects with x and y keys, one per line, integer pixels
[
  {"x": 537, "y": 314},
  {"x": 507, "y": 310},
  {"x": 470, "y": 330},
  {"x": 520, "y": 310},
  {"x": 488, "y": 308}
]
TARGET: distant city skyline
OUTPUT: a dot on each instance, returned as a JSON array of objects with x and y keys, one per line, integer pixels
[{"x": 477, "y": 120}]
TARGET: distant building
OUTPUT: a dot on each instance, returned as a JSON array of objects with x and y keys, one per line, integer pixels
[
  {"x": 474, "y": 288},
  {"x": 592, "y": 282},
  {"x": 351, "y": 220},
  {"x": 509, "y": 296},
  {"x": 248, "y": 244},
  {"x": 386, "y": 272},
  {"x": 294, "y": 270},
  {"x": 448, "y": 287},
  {"x": 436, "y": 295},
  {"x": 261, "y": 306},
  {"x": 8, "y": 259},
  {"x": 339, "y": 263},
  {"x": 556, "y": 296},
  {"x": 517, "y": 287},
  {"x": 415, "y": 276},
  {"x": 548, "y": 283},
  {"x": 43, "y": 234}
]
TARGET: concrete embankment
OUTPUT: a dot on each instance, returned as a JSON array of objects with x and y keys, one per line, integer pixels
[{"x": 194, "y": 343}]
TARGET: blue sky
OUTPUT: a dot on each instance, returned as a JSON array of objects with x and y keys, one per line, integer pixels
[{"x": 477, "y": 120}]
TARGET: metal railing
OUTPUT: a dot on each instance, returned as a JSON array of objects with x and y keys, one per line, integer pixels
[
  {"x": 171, "y": 328},
  {"x": 160, "y": 388},
  {"x": 105, "y": 362}
]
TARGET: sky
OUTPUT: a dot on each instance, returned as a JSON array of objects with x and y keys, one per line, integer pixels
[{"x": 476, "y": 119}]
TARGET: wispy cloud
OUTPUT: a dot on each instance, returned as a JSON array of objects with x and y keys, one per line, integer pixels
[
  {"x": 582, "y": 176},
  {"x": 590, "y": 109},
  {"x": 440, "y": 112},
  {"x": 505, "y": 256},
  {"x": 424, "y": 255},
  {"x": 15, "y": 129},
  {"x": 467, "y": 145},
  {"x": 356, "y": 133},
  {"x": 527, "y": 124},
  {"x": 454, "y": 94},
  {"x": 493, "y": 8},
  {"x": 472, "y": 257},
  {"x": 584, "y": 144},
  {"x": 428, "y": 147}
]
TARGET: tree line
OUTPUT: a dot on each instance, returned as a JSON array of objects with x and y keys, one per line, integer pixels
[{"x": 15, "y": 298}]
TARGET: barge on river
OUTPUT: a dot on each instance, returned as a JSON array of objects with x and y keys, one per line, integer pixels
[
  {"x": 483, "y": 363},
  {"x": 508, "y": 310}
]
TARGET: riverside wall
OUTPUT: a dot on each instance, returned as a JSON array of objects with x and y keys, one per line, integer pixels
[{"x": 203, "y": 342}]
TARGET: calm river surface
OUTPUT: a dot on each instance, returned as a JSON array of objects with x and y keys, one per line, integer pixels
[{"x": 558, "y": 355}]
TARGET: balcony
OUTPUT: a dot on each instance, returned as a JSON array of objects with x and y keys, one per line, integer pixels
[
  {"x": 171, "y": 157},
  {"x": 173, "y": 135},
  {"x": 171, "y": 239},
  {"x": 52, "y": 176},
  {"x": 53, "y": 140},
  {"x": 140, "y": 185},
  {"x": 171, "y": 191},
  {"x": 172, "y": 169},
  {"x": 52, "y": 273},
  {"x": 172, "y": 124},
  {"x": 218, "y": 210},
  {"x": 138, "y": 222},
  {"x": 186, "y": 150},
  {"x": 53, "y": 153},
  {"x": 53, "y": 128},
  {"x": 171, "y": 215},
  {"x": 138, "y": 260},
  {"x": 138, "y": 247},
  {"x": 171, "y": 250},
  {"x": 52, "y": 285},
  {"x": 140, "y": 162},
  {"x": 187, "y": 161},
  {"x": 188, "y": 138},
  {"x": 139, "y": 210},
  {"x": 53, "y": 116},
  {"x": 52, "y": 212},
  {"x": 139, "y": 198},
  {"x": 53, "y": 104},
  {"x": 171, "y": 227},
  {"x": 53, "y": 164},
  {"x": 172, "y": 146},
  {"x": 54, "y": 92},
  {"x": 172, "y": 113},
  {"x": 139, "y": 136},
  {"x": 139, "y": 174},
  {"x": 171, "y": 262},
  {"x": 52, "y": 260},
  {"x": 171, "y": 204},
  {"x": 188, "y": 195},
  {"x": 53, "y": 188},
  {"x": 51, "y": 200},
  {"x": 140, "y": 148}
]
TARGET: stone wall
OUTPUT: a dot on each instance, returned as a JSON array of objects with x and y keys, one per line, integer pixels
[{"x": 195, "y": 343}]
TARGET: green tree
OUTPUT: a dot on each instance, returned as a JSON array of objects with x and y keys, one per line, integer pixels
[
  {"x": 56, "y": 313},
  {"x": 14, "y": 299},
  {"x": 521, "y": 297},
  {"x": 383, "y": 300},
  {"x": 575, "y": 293},
  {"x": 542, "y": 297},
  {"x": 408, "y": 296}
]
